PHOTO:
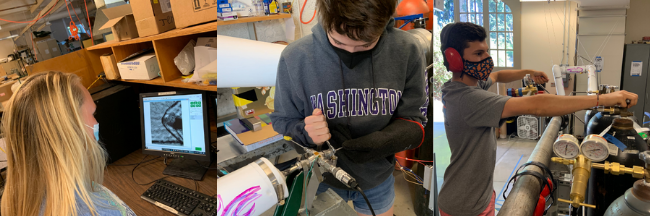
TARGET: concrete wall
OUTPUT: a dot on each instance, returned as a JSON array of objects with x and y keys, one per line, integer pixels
[
  {"x": 541, "y": 37},
  {"x": 637, "y": 25}
]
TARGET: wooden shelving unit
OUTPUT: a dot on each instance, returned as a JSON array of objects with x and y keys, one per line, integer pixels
[
  {"x": 167, "y": 46},
  {"x": 255, "y": 19}
]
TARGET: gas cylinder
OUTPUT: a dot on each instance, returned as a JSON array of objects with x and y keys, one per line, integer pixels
[
  {"x": 635, "y": 201},
  {"x": 588, "y": 115},
  {"x": 599, "y": 122},
  {"x": 604, "y": 188}
]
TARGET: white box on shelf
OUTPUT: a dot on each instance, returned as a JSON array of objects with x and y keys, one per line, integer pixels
[{"x": 139, "y": 67}]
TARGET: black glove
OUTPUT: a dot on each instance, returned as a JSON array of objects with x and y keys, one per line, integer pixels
[{"x": 399, "y": 135}]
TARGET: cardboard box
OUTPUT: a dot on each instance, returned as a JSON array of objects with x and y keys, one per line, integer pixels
[
  {"x": 87, "y": 43},
  {"x": 42, "y": 38},
  {"x": 187, "y": 13},
  {"x": 205, "y": 51},
  {"x": 139, "y": 66},
  {"x": 110, "y": 66},
  {"x": 251, "y": 102},
  {"x": 54, "y": 48},
  {"x": 153, "y": 16},
  {"x": 47, "y": 48},
  {"x": 121, "y": 22},
  {"x": 109, "y": 37}
]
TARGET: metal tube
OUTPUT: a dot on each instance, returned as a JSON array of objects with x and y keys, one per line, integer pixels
[{"x": 525, "y": 192}]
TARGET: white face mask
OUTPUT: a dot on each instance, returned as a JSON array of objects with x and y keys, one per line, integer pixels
[{"x": 95, "y": 130}]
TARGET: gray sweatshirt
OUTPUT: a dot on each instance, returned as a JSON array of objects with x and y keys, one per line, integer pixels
[{"x": 391, "y": 84}]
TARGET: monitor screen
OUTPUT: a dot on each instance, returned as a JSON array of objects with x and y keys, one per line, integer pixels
[{"x": 175, "y": 124}]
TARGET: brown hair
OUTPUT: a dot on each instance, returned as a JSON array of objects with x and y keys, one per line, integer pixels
[{"x": 357, "y": 19}]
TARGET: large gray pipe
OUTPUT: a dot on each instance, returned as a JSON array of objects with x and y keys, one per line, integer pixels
[{"x": 523, "y": 197}]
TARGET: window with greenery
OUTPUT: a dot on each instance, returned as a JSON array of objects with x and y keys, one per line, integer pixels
[
  {"x": 440, "y": 74},
  {"x": 499, "y": 25},
  {"x": 471, "y": 11},
  {"x": 501, "y": 34}
]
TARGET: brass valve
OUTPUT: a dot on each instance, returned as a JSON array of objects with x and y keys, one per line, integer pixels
[
  {"x": 562, "y": 160},
  {"x": 614, "y": 111},
  {"x": 617, "y": 169},
  {"x": 581, "y": 172},
  {"x": 582, "y": 169}
]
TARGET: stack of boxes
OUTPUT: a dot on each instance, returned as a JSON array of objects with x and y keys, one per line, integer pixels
[{"x": 224, "y": 11}]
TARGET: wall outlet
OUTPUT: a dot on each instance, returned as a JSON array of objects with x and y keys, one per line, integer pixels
[{"x": 552, "y": 84}]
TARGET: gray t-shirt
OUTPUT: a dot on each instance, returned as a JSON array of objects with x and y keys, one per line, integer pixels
[{"x": 471, "y": 114}]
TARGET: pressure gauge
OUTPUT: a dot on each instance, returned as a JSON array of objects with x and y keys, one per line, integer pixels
[
  {"x": 595, "y": 148},
  {"x": 566, "y": 146}
]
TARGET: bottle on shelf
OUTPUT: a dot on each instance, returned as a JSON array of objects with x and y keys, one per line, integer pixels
[
  {"x": 273, "y": 7},
  {"x": 266, "y": 7}
]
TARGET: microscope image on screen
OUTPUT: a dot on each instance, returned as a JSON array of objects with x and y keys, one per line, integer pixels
[{"x": 167, "y": 123}]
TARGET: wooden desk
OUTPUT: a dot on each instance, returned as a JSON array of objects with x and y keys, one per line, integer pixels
[{"x": 118, "y": 179}]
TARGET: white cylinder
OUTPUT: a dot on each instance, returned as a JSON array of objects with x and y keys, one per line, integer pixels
[
  {"x": 249, "y": 191},
  {"x": 246, "y": 63},
  {"x": 592, "y": 80},
  {"x": 559, "y": 84}
]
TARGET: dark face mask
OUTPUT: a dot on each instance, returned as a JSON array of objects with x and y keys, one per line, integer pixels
[
  {"x": 351, "y": 60},
  {"x": 479, "y": 70}
]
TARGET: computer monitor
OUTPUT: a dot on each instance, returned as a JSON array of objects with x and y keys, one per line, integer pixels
[{"x": 176, "y": 125}]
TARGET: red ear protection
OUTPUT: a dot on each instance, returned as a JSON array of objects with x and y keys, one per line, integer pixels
[{"x": 454, "y": 60}]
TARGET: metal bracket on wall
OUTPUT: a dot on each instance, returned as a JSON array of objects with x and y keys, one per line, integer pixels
[{"x": 251, "y": 31}]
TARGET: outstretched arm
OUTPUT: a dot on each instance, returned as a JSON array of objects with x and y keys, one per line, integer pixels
[
  {"x": 555, "y": 105},
  {"x": 506, "y": 76}
]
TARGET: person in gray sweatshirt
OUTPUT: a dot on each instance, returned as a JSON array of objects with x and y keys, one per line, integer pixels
[{"x": 359, "y": 83}]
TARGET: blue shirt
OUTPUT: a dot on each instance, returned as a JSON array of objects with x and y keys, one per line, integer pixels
[{"x": 106, "y": 203}]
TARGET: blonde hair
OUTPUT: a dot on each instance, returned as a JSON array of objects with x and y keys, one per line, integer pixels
[{"x": 50, "y": 155}]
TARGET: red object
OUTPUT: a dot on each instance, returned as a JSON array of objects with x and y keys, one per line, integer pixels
[
  {"x": 541, "y": 202},
  {"x": 90, "y": 27},
  {"x": 454, "y": 59},
  {"x": 540, "y": 92},
  {"x": 539, "y": 209},
  {"x": 430, "y": 21},
  {"x": 411, "y": 7},
  {"x": 74, "y": 30},
  {"x": 401, "y": 157},
  {"x": 646, "y": 38},
  {"x": 421, "y": 127},
  {"x": 303, "y": 8},
  {"x": 547, "y": 190}
]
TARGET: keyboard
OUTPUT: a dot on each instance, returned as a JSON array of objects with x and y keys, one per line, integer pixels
[{"x": 180, "y": 200}]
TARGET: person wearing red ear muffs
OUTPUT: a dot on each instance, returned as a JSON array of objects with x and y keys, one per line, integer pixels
[{"x": 471, "y": 114}]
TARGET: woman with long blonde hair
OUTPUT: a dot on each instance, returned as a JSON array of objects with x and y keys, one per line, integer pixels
[{"x": 55, "y": 164}]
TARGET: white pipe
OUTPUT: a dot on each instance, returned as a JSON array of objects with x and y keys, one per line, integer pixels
[
  {"x": 560, "y": 71},
  {"x": 250, "y": 189},
  {"x": 559, "y": 84},
  {"x": 592, "y": 80}
]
